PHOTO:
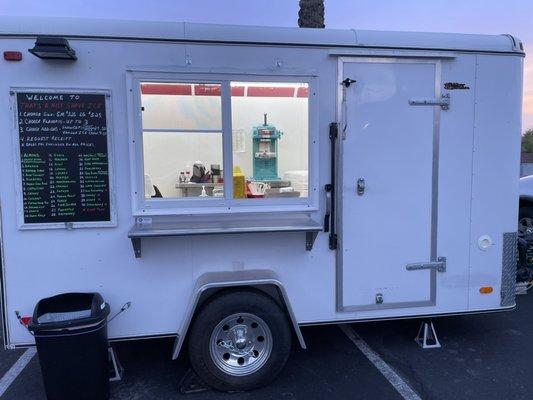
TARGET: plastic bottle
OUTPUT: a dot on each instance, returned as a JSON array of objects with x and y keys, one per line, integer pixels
[{"x": 239, "y": 183}]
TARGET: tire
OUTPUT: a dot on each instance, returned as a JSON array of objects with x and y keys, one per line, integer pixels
[
  {"x": 525, "y": 220},
  {"x": 239, "y": 341}
]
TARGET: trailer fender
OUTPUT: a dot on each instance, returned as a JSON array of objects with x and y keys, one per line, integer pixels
[{"x": 229, "y": 279}]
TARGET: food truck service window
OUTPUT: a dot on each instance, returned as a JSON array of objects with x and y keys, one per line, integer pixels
[{"x": 226, "y": 144}]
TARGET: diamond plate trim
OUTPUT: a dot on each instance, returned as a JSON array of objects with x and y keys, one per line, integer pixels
[{"x": 509, "y": 257}]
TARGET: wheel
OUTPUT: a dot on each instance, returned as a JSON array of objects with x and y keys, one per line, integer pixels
[
  {"x": 239, "y": 341},
  {"x": 525, "y": 220}
]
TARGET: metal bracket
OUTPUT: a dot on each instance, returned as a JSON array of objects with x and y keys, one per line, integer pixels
[
  {"x": 310, "y": 238},
  {"x": 136, "y": 243},
  {"x": 443, "y": 102},
  {"x": 439, "y": 265}
]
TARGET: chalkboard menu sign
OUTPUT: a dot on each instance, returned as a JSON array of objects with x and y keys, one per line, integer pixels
[{"x": 64, "y": 161}]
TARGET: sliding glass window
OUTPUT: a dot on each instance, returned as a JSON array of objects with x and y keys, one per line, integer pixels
[{"x": 182, "y": 140}]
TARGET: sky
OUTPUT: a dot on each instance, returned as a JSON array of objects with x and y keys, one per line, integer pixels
[{"x": 465, "y": 16}]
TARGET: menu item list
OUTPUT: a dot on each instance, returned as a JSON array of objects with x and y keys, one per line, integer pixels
[{"x": 64, "y": 157}]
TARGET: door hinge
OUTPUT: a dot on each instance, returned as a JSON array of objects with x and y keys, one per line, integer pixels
[
  {"x": 439, "y": 265},
  {"x": 333, "y": 130},
  {"x": 443, "y": 101},
  {"x": 333, "y": 242}
]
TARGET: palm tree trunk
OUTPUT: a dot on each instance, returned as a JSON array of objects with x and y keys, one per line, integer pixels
[{"x": 311, "y": 14}]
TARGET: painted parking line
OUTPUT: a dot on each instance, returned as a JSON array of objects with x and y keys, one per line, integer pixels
[
  {"x": 16, "y": 369},
  {"x": 401, "y": 386}
]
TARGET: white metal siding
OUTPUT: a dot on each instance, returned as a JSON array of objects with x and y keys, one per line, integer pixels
[
  {"x": 496, "y": 164},
  {"x": 42, "y": 263}
]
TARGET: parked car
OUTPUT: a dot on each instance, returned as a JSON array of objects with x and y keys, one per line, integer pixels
[
  {"x": 525, "y": 213},
  {"x": 524, "y": 271}
]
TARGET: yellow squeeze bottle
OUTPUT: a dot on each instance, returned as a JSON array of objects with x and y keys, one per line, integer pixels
[{"x": 239, "y": 183}]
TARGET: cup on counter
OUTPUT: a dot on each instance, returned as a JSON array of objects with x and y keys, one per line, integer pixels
[{"x": 258, "y": 188}]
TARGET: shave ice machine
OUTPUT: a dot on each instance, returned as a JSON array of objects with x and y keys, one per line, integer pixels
[{"x": 265, "y": 151}]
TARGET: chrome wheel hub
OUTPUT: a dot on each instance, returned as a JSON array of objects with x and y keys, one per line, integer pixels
[
  {"x": 239, "y": 335},
  {"x": 241, "y": 344}
]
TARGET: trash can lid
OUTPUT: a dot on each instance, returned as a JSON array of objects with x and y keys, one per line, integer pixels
[{"x": 68, "y": 311}]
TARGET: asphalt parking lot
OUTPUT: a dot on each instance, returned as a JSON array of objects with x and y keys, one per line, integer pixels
[{"x": 486, "y": 356}]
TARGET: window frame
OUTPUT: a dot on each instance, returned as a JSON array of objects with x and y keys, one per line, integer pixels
[{"x": 179, "y": 206}]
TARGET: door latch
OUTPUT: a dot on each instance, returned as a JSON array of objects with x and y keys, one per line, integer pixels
[
  {"x": 361, "y": 186},
  {"x": 443, "y": 101},
  {"x": 439, "y": 265},
  {"x": 348, "y": 81}
]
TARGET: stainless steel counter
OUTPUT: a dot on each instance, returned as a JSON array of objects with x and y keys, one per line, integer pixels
[{"x": 224, "y": 225}]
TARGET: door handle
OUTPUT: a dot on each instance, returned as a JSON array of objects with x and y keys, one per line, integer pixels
[
  {"x": 361, "y": 184},
  {"x": 330, "y": 188},
  {"x": 439, "y": 265},
  {"x": 443, "y": 101}
]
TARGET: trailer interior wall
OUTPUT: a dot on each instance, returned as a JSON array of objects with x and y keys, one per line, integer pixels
[{"x": 478, "y": 188}]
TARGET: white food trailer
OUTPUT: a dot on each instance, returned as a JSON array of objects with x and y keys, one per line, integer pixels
[{"x": 233, "y": 184}]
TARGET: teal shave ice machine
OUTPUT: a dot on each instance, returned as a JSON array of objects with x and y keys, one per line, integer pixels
[{"x": 265, "y": 151}]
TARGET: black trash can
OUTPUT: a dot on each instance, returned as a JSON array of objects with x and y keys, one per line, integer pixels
[{"x": 71, "y": 336}]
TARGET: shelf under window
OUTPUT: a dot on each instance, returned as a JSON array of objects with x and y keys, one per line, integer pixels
[{"x": 223, "y": 226}]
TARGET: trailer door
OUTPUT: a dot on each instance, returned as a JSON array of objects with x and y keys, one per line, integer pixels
[{"x": 388, "y": 152}]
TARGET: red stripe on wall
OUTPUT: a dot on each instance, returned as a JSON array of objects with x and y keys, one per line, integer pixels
[
  {"x": 302, "y": 92},
  {"x": 269, "y": 91},
  {"x": 183, "y": 89},
  {"x": 166, "y": 88},
  {"x": 206, "y": 90},
  {"x": 237, "y": 91}
]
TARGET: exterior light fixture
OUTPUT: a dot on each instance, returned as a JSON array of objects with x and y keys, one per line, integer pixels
[{"x": 53, "y": 48}]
